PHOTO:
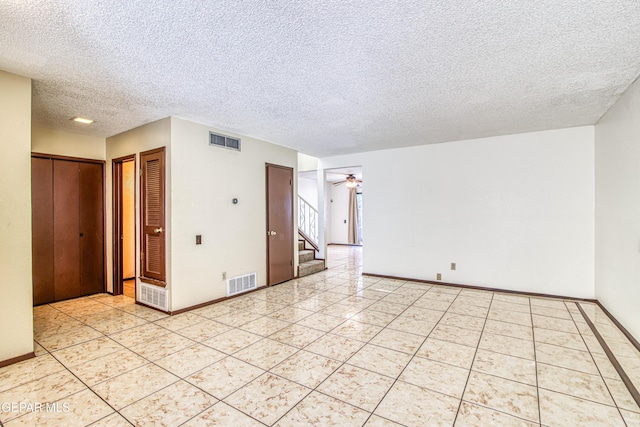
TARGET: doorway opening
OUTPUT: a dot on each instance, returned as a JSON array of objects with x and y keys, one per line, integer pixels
[
  {"x": 343, "y": 207},
  {"x": 124, "y": 226}
]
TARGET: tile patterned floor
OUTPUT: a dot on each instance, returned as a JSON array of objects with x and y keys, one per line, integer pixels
[{"x": 335, "y": 348}]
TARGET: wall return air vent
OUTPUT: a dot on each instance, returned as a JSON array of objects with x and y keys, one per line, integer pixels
[
  {"x": 239, "y": 284},
  {"x": 153, "y": 296},
  {"x": 224, "y": 141}
]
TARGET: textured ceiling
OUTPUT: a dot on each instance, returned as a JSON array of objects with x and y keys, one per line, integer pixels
[{"x": 325, "y": 77}]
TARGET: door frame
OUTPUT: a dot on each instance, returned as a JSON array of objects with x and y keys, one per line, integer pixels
[
  {"x": 118, "y": 219},
  {"x": 266, "y": 171}
]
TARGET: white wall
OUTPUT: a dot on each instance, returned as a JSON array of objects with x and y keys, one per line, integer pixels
[
  {"x": 308, "y": 190},
  {"x": 70, "y": 144},
  {"x": 514, "y": 212},
  {"x": 16, "y": 291},
  {"x": 204, "y": 181},
  {"x": 143, "y": 138},
  {"x": 339, "y": 205},
  {"x": 307, "y": 163},
  {"x": 617, "y": 142}
]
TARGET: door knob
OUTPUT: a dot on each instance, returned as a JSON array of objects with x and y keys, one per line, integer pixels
[
  {"x": 271, "y": 233},
  {"x": 158, "y": 230}
]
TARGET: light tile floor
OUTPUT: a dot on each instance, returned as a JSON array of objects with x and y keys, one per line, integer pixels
[{"x": 335, "y": 348}]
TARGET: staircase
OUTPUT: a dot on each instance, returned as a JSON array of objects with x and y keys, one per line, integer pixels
[
  {"x": 307, "y": 262},
  {"x": 308, "y": 238}
]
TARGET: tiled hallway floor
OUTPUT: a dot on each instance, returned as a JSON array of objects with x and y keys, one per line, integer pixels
[{"x": 335, "y": 348}]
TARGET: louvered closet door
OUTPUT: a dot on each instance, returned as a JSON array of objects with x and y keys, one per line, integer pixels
[{"x": 153, "y": 216}]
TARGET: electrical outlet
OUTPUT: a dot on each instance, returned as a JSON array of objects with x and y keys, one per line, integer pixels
[
  {"x": 453, "y": 265},
  {"x": 224, "y": 275},
  {"x": 438, "y": 276}
]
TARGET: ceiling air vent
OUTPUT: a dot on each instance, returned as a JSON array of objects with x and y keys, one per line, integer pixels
[{"x": 224, "y": 141}]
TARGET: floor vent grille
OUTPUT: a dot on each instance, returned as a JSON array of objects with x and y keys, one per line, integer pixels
[
  {"x": 153, "y": 296},
  {"x": 239, "y": 284}
]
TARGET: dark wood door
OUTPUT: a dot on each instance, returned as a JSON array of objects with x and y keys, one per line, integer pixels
[
  {"x": 42, "y": 230},
  {"x": 66, "y": 235},
  {"x": 68, "y": 228},
  {"x": 279, "y": 224},
  {"x": 152, "y": 196},
  {"x": 91, "y": 228}
]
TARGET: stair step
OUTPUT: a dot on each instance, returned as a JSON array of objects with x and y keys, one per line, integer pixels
[
  {"x": 300, "y": 245},
  {"x": 310, "y": 267},
  {"x": 306, "y": 255}
]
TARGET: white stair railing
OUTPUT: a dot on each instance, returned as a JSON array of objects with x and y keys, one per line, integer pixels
[{"x": 308, "y": 220}]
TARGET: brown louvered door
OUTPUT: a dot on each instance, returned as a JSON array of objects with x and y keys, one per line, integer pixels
[{"x": 153, "y": 216}]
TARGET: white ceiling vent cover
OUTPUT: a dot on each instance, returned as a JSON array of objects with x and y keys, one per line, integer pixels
[
  {"x": 224, "y": 141},
  {"x": 153, "y": 296},
  {"x": 240, "y": 284}
]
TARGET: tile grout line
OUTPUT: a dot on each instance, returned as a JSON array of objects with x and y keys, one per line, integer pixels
[
  {"x": 366, "y": 343},
  {"x": 268, "y": 371},
  {"x": 315, "y": 389},
  {"x": 615, "y": 403},
  {"x": 51, "y": 353},
  {"x": 574, "y": 369},
  {"x": 345, "y": 362},
  {"x": 535, "y": 360},
  {"x": 414, "y": 355},
  {"x": 150, "y": 362},
  {"x": 475, "y": 354},
  {"x": 92, "y": 391},
  {"x": 612, "y": 358},
  {"x": 410, "y": 360}
]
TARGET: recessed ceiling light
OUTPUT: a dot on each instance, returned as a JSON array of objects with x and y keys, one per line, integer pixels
[{"x": 82, "y": 120}]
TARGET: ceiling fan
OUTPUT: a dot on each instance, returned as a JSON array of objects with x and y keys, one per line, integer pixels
[{"x": 350, "y": 181}]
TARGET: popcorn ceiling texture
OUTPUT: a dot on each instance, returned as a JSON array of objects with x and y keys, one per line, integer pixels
[{"x": 325, "y": 77}]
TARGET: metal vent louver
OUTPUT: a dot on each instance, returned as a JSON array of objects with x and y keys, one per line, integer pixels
[
  {"x": 239, "y": 284},
  {"x": 224, "y": 141},
  {"x": 153, "y": 296}
]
